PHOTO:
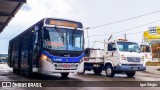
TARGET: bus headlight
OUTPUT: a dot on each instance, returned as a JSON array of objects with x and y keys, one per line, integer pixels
[
  {"x": 44, "y": 57},
  {"x": 49, "y": 60}
]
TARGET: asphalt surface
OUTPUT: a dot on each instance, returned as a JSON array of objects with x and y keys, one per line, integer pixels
[{"x": 6, "y": 74}]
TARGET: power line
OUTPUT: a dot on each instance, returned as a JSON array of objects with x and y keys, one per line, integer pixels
[
  {"x": 121, "y": 35},
  {"x": 123, "y": 20},
  {"x": 127, "y": 29},
  {"x": 134, "y": 33},
  {"x": 129, "y": 34}
]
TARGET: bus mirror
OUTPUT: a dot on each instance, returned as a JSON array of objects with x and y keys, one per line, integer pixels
[{"x": 62, "y": 39}]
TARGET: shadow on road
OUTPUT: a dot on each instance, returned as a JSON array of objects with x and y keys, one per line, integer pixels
[{"x": 9, "y": 75}]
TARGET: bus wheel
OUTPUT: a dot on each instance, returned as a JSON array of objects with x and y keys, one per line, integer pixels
[
  {"x": 131, "y": 74},
  {"x": 97, "y": 70},
  {"x": 109, "y": 71},
  {"x": 64, "y": 75},
  {"x": 16, "y": 71}
]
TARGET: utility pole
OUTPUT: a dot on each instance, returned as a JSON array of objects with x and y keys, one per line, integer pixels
[
  {"x": 88, "y": 36},
  {"x": 125, "y": 36}
]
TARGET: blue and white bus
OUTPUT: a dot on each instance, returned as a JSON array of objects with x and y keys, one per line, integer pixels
[{"x": 49, "y": 46}]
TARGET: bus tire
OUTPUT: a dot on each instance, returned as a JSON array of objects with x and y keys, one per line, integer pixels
[
  {"x": 64, "y": 75},
  {"x": 16, "y": 71},
  {"x": 131, "y": 74},
  {"x": 97, "y": 70},
  {"x": 109, "y": 71}
]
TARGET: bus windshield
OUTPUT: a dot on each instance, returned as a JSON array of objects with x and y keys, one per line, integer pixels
[
  {"x": 63, "y": 39},
  {"x": 128, "y": 46}
]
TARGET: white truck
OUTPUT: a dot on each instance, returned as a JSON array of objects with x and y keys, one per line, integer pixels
[
  {"x": 119, "y": 56},
  {"x": 147, "y": 51}
]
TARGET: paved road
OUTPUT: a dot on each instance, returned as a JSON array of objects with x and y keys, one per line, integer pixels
[{"x": 6, "y": 74}]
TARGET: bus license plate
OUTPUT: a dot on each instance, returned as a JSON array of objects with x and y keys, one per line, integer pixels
[{"x": 66, "y": 65}]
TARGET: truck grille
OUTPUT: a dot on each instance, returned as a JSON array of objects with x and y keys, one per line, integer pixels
[{"x": 133, "y": 59}]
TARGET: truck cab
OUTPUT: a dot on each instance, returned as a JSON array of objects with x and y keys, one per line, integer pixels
[
  {"x": 122, "y": 56},
  {"x": 147, "y": 51}
]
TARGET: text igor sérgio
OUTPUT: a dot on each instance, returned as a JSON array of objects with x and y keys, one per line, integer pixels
[{"x": 148, "y": 85}]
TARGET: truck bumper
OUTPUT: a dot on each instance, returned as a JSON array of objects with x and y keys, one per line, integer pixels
[
  {"x": 90, "y": 66},
  {"x": 130, "y": 68}
]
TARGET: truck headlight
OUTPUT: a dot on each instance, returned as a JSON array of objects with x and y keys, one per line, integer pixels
[
  {"x": 142, "y": 59},
  {"x": 123, "y": 57}
]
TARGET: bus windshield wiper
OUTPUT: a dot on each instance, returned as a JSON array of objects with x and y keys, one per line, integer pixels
[
  {"x": 73, "y": 36},
  {"x": 59, "y": 34}
]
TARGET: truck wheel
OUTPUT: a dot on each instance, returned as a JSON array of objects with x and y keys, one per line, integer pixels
[
  {"x": 97, "y": 70},
  {"x": 109, "y": 71},
  {"x": 64, "y": 75},
  {"x": 131, "y": 74}
]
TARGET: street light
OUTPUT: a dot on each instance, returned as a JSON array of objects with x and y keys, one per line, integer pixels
[{"x": 88, "y": 35}]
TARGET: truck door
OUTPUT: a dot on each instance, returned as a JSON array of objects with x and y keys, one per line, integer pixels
[{"x": 112, "y": 53}]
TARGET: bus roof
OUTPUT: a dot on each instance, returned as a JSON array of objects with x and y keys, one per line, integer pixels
[{"x": 43, "y": 21}]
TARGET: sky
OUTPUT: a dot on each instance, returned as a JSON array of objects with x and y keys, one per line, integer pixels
[{"x": 90, "y": 13}]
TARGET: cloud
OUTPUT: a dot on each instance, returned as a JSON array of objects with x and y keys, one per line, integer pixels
[
  {"x": 26, "y": 7},
  {"x": 89, "y": 12},
  {"x": 56, "y": 7}
]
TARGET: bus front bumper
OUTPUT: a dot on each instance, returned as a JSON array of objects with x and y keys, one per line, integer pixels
[{"x": 65, "y": 67}]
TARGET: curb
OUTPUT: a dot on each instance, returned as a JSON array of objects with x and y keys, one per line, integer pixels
[{"x": 153, "y": 69}]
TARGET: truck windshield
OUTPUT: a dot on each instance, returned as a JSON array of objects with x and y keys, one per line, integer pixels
[
  {"x": 128, "y": 46},
  {"x": 63, "y": 39}
]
